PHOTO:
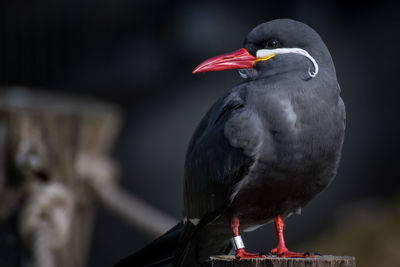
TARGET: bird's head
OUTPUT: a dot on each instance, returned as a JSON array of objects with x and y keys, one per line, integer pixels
[{"x": 283, "y": 41}]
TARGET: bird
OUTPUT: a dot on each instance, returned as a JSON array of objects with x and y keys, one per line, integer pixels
[{"x": 263, "y": 150}]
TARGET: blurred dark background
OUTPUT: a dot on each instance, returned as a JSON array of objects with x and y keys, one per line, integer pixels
[{"x": 140, "y": 54}]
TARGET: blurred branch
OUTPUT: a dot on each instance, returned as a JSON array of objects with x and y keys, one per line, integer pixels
[{"x": 101, "y": 173}]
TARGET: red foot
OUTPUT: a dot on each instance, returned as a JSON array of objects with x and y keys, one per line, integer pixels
[
  {"x": 281, "y": 250},
  {"x": 241, "y": 254},
  {"x": 285, "y": 253}
]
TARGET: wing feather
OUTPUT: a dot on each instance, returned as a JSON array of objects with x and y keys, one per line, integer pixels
[{"x": 218, "y": 155}]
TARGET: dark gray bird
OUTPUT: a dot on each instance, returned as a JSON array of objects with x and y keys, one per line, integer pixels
[{"x": 264, "y": 149}]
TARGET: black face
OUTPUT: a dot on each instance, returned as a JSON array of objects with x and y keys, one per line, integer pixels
[
  {"x": 272, "y": 43},
  {"x": 282, "y": 33}
]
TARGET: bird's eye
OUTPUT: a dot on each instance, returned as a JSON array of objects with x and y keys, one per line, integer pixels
[{"x": 272, "y": 43}]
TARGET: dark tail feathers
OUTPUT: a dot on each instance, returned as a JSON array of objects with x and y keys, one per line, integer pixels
[{"x": 159, "y": 252}]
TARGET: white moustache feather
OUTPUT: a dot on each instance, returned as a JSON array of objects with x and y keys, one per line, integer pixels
[{"x": 268, "y": 52}]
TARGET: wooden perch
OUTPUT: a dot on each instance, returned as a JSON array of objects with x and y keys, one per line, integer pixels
[{"x": 318, "y": 261}]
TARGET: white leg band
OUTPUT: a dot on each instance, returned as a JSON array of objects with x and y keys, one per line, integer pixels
[{"x": 237, "y": 242}]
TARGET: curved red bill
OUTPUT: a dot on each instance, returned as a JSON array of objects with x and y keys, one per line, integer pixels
[{"x": 240, "y": 59}]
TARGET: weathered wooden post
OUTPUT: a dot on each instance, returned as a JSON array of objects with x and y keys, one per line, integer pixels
[{"x": 317, "y": 261}]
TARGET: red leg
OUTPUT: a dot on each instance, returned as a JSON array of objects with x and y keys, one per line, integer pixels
[
  {"x": 240, "y": 252},
  {"x": 281, "y": 249}
]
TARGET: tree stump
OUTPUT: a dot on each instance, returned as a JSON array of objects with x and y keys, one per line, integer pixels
[
  {"x": 272, "y": 261},
  {"x": 43, "y": 136},
  {"x": 55, "y": 166}
]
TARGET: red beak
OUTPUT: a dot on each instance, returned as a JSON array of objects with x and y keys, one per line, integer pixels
[{"x": 240, "y": 59}]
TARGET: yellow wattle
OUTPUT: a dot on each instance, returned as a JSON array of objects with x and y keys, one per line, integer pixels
[{"x": 265, "y": 58}]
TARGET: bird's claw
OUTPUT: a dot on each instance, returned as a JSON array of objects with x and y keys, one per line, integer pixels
[
  {"x": 241, "y": 254},
  {"x": 285, "y": 253}
]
